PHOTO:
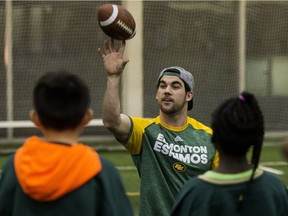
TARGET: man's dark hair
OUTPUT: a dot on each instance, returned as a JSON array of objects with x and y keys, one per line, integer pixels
[
  {"x": 61, "y": 99},
  {"x": 237, "y": 125}
]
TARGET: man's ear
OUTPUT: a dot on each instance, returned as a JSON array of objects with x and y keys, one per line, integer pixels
[
  {"x": 35, "y": 118},
  {"x": 189, "y": 95},
  {"x": 156, "y": 95},
  {"x": 87, "y": 117}
]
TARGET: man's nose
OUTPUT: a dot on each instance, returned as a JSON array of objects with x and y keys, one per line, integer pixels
[{"x": 168, "y": 90}]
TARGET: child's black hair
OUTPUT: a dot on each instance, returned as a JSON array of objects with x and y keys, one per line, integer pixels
[
  {"x": 61, "y": 99},
  {"x": 237, "y": 125}
]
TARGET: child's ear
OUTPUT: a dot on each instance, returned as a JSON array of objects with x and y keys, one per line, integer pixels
[
  {"x": 87, "y": 117},
  {"x": 35, "y": 119}
]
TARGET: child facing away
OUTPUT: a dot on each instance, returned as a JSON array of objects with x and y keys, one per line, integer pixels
[
  {"x": 236, "y": 187},
  {"x": 56, "y": 175}
]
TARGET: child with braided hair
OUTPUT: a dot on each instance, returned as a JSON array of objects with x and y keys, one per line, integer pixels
[{"x": 235, "y": 187}]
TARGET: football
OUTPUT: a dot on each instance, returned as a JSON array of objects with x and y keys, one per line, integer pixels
[{"x": 116, "y": 22}]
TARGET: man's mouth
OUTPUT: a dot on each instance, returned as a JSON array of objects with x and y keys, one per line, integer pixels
[{"x": 167, "y": 100}]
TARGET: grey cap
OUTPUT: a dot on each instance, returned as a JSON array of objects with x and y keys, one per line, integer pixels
[{"x": 183, "y": 74}]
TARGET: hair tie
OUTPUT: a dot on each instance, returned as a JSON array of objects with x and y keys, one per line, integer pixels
[{"x": 241, "y": 97}]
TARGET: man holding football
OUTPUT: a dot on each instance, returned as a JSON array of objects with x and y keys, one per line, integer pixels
[{"x": 167, "y": 150}]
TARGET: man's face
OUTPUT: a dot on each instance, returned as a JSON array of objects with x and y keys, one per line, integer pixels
[{"x": 171, "y": 95}]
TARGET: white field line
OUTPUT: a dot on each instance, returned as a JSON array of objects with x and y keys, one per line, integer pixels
[
  {"x": 264, "y": 166},
  {"x": 275, "y": 163},
  {"x": 271, "y": 170},
  {"x": 126, "y": 168}
]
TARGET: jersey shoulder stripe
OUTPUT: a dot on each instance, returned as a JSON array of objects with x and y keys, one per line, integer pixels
[
  {"x": 138, "y": 126},
  {"x": 198, "y": 125}
]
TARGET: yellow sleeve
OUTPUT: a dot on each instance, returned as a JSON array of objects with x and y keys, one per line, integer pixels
[{"x": 134, "y": 144}]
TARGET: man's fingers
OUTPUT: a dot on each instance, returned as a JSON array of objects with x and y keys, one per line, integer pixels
[
  {"x": 101, "y": 53},
  {"x": 124, "y": 63},
  {"x": 122, "y": 47},
  {"x": 107, "y": 46},
  {"x": 112, "y": 44}
]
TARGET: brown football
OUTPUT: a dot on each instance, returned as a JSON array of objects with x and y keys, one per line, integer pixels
[{"x": 116, "y": 22}]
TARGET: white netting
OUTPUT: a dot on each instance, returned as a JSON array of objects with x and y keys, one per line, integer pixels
[{"x": 202, "y": 37}]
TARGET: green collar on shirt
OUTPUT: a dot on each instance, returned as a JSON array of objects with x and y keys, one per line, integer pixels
[{"x": 221, "y": 178}]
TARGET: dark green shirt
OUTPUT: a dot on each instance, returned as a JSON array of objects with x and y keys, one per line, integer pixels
[
  {"x": 101, "y": 195},
  {"x": 215, "y": 194}
]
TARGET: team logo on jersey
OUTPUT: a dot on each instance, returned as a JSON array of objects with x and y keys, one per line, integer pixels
[
  {"x": 179, "y": 167},
  {"x": 178, "y": 138}
]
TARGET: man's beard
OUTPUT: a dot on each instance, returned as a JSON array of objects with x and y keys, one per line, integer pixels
[{"x": 173, "y": 109}]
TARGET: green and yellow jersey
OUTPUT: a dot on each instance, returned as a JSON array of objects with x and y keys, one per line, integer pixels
[{"x": 166, "y": 157}]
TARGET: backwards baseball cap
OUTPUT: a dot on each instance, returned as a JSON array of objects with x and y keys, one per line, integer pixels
[{"x": 183, "y": 74}]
